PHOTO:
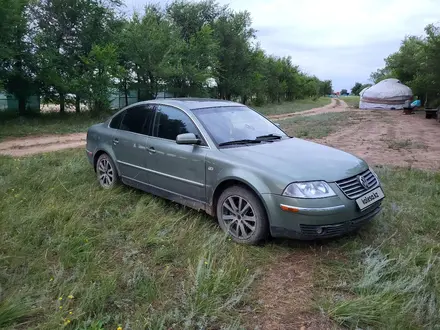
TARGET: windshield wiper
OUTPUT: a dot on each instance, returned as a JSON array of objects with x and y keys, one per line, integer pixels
[
  {"x": 268, "y": 137},
  {"x": 246, "y": 141}
]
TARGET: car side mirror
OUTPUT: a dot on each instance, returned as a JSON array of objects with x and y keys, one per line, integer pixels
[
  {"x": 187, "y": 138},
  {"x": 277, "y": 124}
]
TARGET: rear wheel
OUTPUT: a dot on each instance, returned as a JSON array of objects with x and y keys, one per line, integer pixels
[
  {"x": 241, "y": 214},
  {"x": 106, "y": 172}
]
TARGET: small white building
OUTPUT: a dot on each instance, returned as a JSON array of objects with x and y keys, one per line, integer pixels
[{"x": 387, "y": 94}]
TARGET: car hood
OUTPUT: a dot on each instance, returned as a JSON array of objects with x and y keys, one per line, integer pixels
[{"x": 299, "y": 160}]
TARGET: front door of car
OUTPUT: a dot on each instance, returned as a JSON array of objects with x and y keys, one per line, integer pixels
[
  {"x": 176, "y": 168},
  {"x": 130, "y": 143}
]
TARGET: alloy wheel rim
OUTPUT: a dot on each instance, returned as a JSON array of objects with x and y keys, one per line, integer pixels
[
  {"x": 106, "y": 174},
  {"x": 239, "y": 217}
]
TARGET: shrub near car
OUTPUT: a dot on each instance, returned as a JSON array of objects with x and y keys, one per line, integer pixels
[{"x": 226, "y": 159}]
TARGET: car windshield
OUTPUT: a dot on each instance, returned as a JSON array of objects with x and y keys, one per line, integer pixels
[{"x": 237, "y": 123}]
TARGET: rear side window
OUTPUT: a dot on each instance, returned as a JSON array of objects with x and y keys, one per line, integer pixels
[
  {"x": 116, "y": 121},
  {"x": 171, "y": 122},
  {"x": 138, "y": 120}
]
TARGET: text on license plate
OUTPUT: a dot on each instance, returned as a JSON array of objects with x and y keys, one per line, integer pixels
[{"x": 370, "y": 198}]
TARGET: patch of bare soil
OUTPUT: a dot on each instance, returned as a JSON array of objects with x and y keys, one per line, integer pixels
[
  {"x": 285, "y": 293},
  {"x": 336, "y": 105},
  {"x": 387, "y": 137},
  {"x": 40, "y": 144}
]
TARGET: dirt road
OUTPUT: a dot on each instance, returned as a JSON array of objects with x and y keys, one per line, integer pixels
[{"x": 40, "y": 144}]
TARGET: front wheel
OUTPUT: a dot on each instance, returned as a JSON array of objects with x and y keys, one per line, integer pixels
[
  {"x": 106, "y": 172},
  {"x": 241, "y": 214}
]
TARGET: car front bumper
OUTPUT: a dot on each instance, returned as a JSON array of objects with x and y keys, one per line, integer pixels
[{"x": 316, "y": 218}]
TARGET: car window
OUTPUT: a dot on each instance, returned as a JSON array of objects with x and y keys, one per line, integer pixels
[
  {"x": 116, "y": 120},
  {"x": 232, "y": 123},
  {"x": 138, "y": 119},
  {"x": 171, "y": 122}
]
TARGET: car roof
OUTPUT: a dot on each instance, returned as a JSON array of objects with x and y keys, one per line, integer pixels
[{"x": 194, "y": 103}]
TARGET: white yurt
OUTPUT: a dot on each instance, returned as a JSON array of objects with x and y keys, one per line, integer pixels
[{"x": 386, "y": 94}]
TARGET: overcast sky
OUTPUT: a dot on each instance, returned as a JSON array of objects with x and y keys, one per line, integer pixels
[{"x": 341, "y": 40}]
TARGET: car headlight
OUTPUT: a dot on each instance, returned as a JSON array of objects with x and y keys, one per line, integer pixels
[{"x": 315, "y": 189}]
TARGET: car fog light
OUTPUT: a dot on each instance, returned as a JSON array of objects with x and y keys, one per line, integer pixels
[{"x": 319, "y": 230}]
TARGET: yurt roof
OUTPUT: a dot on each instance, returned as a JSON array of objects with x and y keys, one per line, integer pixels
[
  {"x": 388, "y": 89},
  {"x": 363, "y": 91}
]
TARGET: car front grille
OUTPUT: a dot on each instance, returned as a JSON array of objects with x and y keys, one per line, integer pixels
[{"x": 352, "y": 187}]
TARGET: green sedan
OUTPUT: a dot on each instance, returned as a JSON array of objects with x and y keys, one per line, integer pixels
[{"x": 233, "y": 163}]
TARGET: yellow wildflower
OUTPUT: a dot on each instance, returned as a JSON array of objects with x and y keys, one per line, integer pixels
[
  {"x": 60, "y": 298},
  {"x": 70, "y": 296},
  {"x": 206, "y": 262},
  {"x": 61, "y": 307},
  {"x": 51, "y": 279},
  {"x": 119, "y": 328},
  {"x": 66, "y": 322}
]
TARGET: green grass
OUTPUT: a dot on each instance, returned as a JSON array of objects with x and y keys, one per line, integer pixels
[
  {"x": 127, "y": 258},
  {"x": 295, "y": 106},
  {"x": 388, "y": 276},
  {"x": 48, "y": 123},
  {"x": 319, "y": 126},
  {"x": 124, "y": 257},
  {"x": 352, "y": 101}
]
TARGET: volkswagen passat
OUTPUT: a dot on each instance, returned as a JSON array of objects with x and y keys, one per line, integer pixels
[{"x": 226, "y": 159}]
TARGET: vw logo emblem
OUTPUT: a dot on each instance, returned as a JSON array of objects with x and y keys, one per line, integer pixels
[{"x": 363, "y": 182}]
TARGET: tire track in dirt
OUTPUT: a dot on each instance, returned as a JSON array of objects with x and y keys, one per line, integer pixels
[
  {"x": 285, "y": 294},
  {"x": 336, "y": 105}
]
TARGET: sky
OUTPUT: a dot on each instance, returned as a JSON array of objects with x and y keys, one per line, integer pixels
[{"x": 341, "y": 40}]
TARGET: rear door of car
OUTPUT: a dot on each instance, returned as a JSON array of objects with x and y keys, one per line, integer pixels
[
  {"x": 176, "y": 168},
  {"x": 130, "y": 142}
]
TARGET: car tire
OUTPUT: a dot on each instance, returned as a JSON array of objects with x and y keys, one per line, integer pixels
[
  {"x": 241, "y": 214},
  {"x": 106, "y": 172}
]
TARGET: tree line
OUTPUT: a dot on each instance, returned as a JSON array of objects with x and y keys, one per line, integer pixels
[
  {"x": 416, "y": 64},
  {"x": 86, "y": 48}
]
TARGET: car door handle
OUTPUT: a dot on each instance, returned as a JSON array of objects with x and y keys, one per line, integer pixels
[
  {"x": 115, "y": 141},
  {"x": 151, "y": 150}
]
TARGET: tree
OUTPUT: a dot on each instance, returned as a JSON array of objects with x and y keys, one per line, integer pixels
[
  {"x": 380, "y": 74},
  {"x": 325, "y": 87},
  {"x": 101, "y": 75},
  {"x": 17, "y": 61},
  {"x": 67, "y": 31},
  {"x": 233, "y": 35},
  {"x": 148, "y": 45},
  {"x": 344, "y": 91},
  {"x": 194, "y": 59},
  {"x": 416, "y": 64},
  {"x": 357, "y": 88}
]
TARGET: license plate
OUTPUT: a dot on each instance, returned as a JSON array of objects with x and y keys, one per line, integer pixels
[{"x": 370, "y": 198}]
